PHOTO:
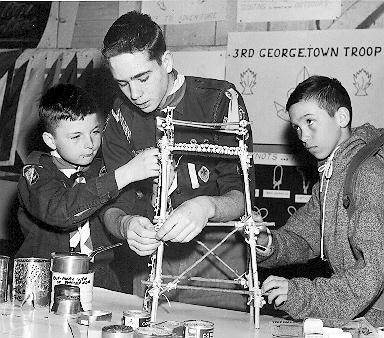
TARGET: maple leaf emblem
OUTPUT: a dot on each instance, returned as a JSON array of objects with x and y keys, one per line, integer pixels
[
  {"x": 247, "y": 81},
  {"x": 361, "y": 81}
]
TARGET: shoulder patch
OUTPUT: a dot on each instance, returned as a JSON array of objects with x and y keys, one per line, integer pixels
[
  {"x": 106, "y": 123},
  {"x": 115, "y": 114},
  {"x": 30, "y": 173},
  {"x": 120, "y": 119}
]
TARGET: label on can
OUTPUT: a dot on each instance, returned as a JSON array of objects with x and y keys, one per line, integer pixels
[
  {"x": 136, "y": 318},
  {"x": 198, "y": 329}
]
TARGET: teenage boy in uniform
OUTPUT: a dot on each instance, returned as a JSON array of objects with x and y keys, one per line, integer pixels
[
  {"x": 320, "y": 111},
  {"x": 61, "y": 191},
  {"x": 208, "y": 188}
]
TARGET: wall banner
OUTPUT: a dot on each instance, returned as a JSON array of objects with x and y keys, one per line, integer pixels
[
  {"x": 267, "y": 66},
  {"x": 287, "y": 10},
  {"x": 185, "y": 12}
]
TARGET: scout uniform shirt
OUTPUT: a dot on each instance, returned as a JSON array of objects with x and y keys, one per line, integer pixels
[
  {"x": 129, "y": 130},
  {"x": 52, "y": 206}
]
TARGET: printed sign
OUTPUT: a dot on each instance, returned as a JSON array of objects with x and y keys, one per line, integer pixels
[
  {"x": 185, "y": 12},
  {"x": 83, "y": 281},
  {"x": 267, "y": 66},
  {"x": 287, "y": 10}
]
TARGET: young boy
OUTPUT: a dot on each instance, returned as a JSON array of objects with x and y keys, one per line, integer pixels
[
  {"x": 61, "y": 191},
  {"x": 320, "y": 111}
]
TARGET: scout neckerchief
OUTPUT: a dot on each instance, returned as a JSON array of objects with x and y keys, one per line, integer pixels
[
  {"x": 176, "y": 94},
  {"x": 80, "y": 238}
]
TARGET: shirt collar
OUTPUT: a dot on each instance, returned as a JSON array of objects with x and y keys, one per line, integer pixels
[{"x": 65, "y": 167}]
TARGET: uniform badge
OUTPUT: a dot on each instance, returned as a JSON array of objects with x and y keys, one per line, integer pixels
[
  {"x": 30, "y": 173},
  {"x": 204, "y": 174},
  {"x": 102, "y": 171},
  {"x": 120, "y": 119}
]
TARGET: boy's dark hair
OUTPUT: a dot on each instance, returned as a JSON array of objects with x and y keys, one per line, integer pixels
[
  {"x": 65, "y": 102},
  {"x": 134, "y": 32},
  {"x": 328, "y": 93}
]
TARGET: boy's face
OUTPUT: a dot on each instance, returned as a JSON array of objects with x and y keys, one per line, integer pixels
[
  {"x": 144, "y": 82},
  {"x": 78, "y": 141},
  {"x": 319, "y": 132}
]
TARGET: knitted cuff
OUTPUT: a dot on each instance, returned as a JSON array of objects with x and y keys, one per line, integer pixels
[{"x": 266, "y": 251}]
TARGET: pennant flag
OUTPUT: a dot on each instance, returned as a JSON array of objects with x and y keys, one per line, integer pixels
[
  {"x": 29, "y": 137},
  {"x": 53, "y": 74},
  {"x": 8, "y": 116},
  {"x": 70, "y": 73},
  {"x": 85, "y": 79},
  {"x": 3, "y": 85},
  {"x": 7, "y": 60}
]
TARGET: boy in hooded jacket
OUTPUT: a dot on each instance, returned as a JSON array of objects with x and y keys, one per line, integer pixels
[{"x": 320, "y": 111}]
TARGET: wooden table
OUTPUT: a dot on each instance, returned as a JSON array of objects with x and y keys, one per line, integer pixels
[{"x": 40, "y": 323}]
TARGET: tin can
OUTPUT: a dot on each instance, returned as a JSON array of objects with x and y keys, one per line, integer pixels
[
  {"x": 31, "y": 282},
  {"x": 198, "y": 329},
  {"x": 175, "y": 327},
  {"x": 151, "y": 332},
  {"x": 4, "y": 262},
  {"x": 116, "y": 331},
  {"x": 136, "y": 318}
]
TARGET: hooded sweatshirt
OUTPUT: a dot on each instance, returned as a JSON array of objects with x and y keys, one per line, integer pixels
[{"x": 353, "y": 247}]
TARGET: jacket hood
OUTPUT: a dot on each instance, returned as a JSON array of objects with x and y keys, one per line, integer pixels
[{"x": 360, "y": 136}]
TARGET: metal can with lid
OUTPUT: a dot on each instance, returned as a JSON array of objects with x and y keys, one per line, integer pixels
[
  {"x": 151, "y": 332},
  {"x": 136, "y": 318},
  {"x": 175, "y": 327},
  {"x": 198, "y": 329},
  {"x": 116, "y": 331}
]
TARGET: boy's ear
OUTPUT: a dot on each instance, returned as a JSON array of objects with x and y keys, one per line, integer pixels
[
  {"x": 49, "y": 140},
  {"x": 343, "y": 117},
  {"x": 167, "y": 61}
]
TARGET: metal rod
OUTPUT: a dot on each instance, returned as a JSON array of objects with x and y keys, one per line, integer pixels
[
  {"x": 207, "y": 125},
  {"x": 219, "y": 259},
  {"x": 191, "y": 287},
  {"x": 202, "y": 279}
]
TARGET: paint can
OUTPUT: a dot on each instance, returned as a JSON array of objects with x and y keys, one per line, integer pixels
[
  {"x": 136, "y": 318},
  {"x": 151, "y": 332},
  {"x": 198, "y": 329}
]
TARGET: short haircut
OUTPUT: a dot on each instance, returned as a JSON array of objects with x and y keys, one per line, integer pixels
[
  {"x": 134, "y": 32},
  {"x": 327, "y": 92},
  {"x": 65, "y": 102}
]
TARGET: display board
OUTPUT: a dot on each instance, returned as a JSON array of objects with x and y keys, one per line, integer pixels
[
  {"x": 267, "y": 66},
  {"x": 22, "y": 23}
]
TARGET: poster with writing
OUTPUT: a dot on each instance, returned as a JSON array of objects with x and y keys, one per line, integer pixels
[
  {"x": 267, "y": 66},
  {"x": 288, "y": 10},
  {"x": 22, "y": 23},
  {"x": 185, "y": 12}
]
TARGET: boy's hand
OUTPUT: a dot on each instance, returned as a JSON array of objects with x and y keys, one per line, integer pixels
[
  {"x": 140, "y": 234},
  {"x": 145, "y": 164},
  {"x": 185, "y": 222},
  {"x": 276, "y": 288}
]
